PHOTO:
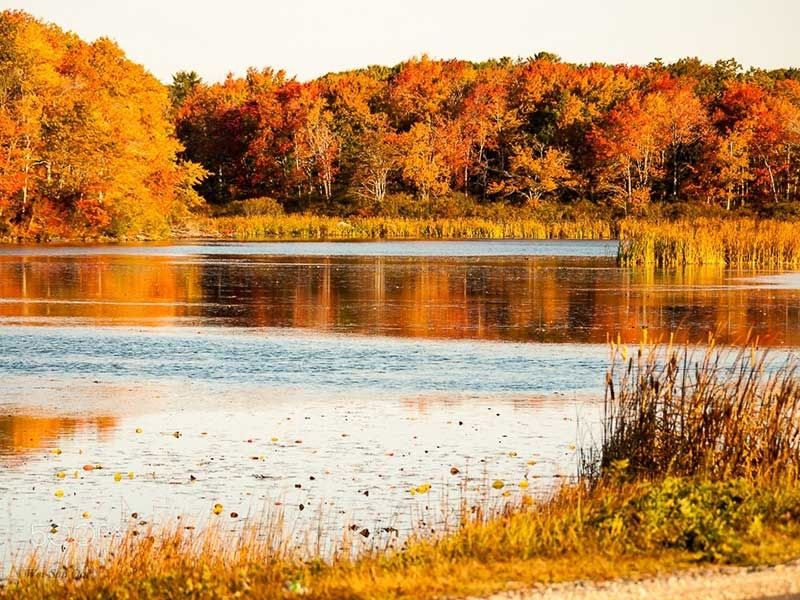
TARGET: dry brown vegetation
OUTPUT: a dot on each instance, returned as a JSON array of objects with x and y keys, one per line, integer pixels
[
  {"x": 741, "y": 242},
  {"x": 313, "y": 227}
]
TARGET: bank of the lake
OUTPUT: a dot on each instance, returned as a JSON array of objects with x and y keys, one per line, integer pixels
[
  {"x": 652, "y": 242},
  {"x": 636, "y": 530}
]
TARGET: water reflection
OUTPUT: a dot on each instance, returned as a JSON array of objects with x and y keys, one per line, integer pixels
[
  {"x": 528, "y": 298},
  {"x": 26, "y": 434}
]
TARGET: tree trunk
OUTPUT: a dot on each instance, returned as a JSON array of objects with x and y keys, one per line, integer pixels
[{"x": 771, "y": 180}]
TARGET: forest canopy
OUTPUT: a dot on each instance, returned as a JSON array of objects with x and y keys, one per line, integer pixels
[
  {"x": 92, "y": 144},
  {"x": 521, "y": 132}
]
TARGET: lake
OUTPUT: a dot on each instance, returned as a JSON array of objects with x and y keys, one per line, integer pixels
[{"x": 324, "y": 379}]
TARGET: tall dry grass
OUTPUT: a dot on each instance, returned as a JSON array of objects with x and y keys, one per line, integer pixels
[
  {"x": 741, "y": 242},
  {"x": 705, "y": 411},
  {"x": 314, "y": 227}
]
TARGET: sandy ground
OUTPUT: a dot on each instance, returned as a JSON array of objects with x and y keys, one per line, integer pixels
[{"x": 774, "y": 582}]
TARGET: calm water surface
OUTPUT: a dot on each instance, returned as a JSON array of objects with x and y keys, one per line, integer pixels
[{"x": 332, "y": 376}]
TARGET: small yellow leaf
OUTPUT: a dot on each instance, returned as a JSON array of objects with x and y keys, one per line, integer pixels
[
  {"x": 59, "y": 493},
  {"x": 117, "y": 476}
]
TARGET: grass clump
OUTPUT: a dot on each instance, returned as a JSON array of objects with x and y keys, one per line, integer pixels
[
  {"x": 739, "y": 242},
  {"x": 706, "y": 412}
]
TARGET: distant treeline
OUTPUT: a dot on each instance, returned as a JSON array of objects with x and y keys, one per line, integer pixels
[
  {"x": 92, "y": 144},
  {"x": 515, "y": 131}
]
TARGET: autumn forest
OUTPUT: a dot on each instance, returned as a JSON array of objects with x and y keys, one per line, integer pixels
[{"x": 95, "y": 146}]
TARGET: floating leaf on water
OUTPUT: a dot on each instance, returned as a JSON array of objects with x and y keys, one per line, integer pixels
[
  {"x": 86, "y": 515},
  {"x": 498, "y": 484},
  {"x": 506, "y": 494},
  {"x": 61, "y": 474},
  {"x": 130, "y": 475},
  {"x": 523, "y": 485},
  {"x": 139, "y": 430},
  {"x": 295, "y": 587},
  {"x": 512, "y": 454},
  {"x": 274, "y": 439},
  {"x": 424, "y": 488},
  {"x": 55, "y": 451},
  {"x": 531, "y": 462},
  {"x": 176, "y": 434},
  {"x": 59, "y": 493},
  {"x": 234, "y": 515},
  {"x": 364, "y": 532},
  {"x": 217, "y": 508},
  {"x": 454, "y": 471},
  {"x": 88, "y": 467},
  {"x": 117, "y": 476}
]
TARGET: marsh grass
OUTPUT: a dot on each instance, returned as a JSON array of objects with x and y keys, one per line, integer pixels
[
  {"x": 314, "y": 227},
  {"x": 739, "y": 242},
  {"x": 704, "y": 411}
]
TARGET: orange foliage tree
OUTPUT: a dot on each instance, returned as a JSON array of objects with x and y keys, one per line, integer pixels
[{"x": 88, "y": 145}]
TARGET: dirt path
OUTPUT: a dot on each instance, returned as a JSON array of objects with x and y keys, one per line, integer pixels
[{"x": 780, "y": 582}]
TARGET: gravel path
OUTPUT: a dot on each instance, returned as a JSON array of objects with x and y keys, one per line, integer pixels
[{"x": 780, "y": 582}]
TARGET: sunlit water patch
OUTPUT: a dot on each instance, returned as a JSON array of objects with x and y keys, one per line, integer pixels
[{"x": 331, "y": 427}]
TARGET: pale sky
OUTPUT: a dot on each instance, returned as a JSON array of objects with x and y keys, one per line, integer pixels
[{"x": 308, "y": 38}]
